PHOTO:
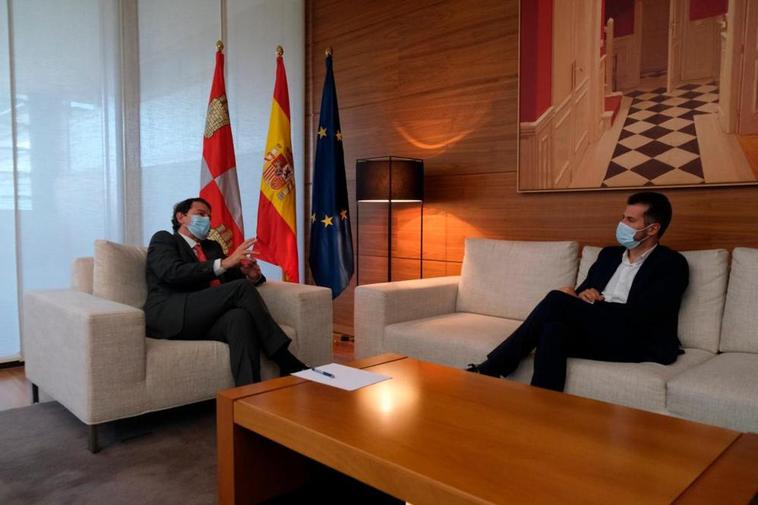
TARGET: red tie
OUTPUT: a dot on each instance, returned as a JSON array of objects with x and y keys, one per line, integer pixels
[{"x": 202, "y": 257}]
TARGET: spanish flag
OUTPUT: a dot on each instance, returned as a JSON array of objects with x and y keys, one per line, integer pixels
[{"x": 277, "y": 228}]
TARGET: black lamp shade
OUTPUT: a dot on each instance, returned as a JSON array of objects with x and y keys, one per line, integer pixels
[{"x": 373, "y": 176}]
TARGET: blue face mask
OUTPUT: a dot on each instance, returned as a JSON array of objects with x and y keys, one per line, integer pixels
[
  {"x": 199, "y": 226},
  {"x": 625, "y": 235}
]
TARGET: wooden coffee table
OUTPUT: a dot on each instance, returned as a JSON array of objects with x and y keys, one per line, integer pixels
[{"x": 434, "y": 434}]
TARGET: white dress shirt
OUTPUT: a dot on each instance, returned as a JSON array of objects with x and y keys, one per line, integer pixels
[
  {"x": 218, "y": 270},
  {"x": 617, "y": 290}
]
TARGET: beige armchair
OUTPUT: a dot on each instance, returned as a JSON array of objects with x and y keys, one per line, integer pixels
[{"x": 86, "y": 347}]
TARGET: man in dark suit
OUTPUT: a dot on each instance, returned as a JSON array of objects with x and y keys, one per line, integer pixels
[
  {"x": 626, "y": 310},
  {"x": 197, "y": 293}
]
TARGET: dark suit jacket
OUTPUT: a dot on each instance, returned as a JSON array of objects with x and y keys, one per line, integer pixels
[
  {"x": 652, "y": 309},
  {"x": 172, "y": 272}
]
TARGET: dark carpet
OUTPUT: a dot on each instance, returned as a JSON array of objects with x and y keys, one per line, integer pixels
[{"x": 160, "y": 458}]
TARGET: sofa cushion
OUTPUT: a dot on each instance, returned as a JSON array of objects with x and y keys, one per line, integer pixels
[
  {"x": 507, "y": 278},
  {"x": 186, "y": 371},
  {"x": 119, "y": 273},
  {"x": 739, "y": 331},
  {"x": 454, "y": 339},
  {"x": 702, "y": 303},
  {"x": 82, "y": 271},
  {"x": 721, "y": 391},
  {"x": 589, "y": 256},
  {"x": 637, "y": 385}
]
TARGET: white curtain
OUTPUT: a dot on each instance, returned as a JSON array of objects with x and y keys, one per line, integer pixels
[
  {"x": 177, "y": 43},
  {"x": 62, "y": 189},
  {"x": 9, "y": 343},
  {"x": 62, "y": 173}
]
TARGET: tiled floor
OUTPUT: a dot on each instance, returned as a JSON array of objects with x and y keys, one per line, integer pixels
[{"x": 658, "y": 144}]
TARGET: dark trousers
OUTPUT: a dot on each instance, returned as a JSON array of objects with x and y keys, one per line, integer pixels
[
  {"x": 563, "y": 326},
  {"x": 235, "y": 313}
]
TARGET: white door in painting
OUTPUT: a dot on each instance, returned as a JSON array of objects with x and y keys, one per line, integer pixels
[
  {"x": 701, "y": 47},
  {"x": 628, "y": 53},
  {"x": 655, "y": 33},
  {"x": 582, "y": 98},
  {"x": 748, "y": 112},
  {"x": 674, "y": 72},
  {"x": 732, "y": 33},
  {"x": 572, "y": 40}
]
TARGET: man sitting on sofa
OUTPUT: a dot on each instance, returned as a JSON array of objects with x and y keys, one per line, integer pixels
[
  {"x": 197, "y": 293},
  {"x": 625, "y": 311}
]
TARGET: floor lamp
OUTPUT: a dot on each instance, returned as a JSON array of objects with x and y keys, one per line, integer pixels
[{"x": 389, "y": 179}]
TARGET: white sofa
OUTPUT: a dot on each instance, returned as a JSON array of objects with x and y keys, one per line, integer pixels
[
  {"x": 86, "y": 347},
  {"x": 458, "y": 320}
]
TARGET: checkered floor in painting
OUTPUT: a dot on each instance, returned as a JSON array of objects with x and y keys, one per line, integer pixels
[{"x": 658, "y": 144}]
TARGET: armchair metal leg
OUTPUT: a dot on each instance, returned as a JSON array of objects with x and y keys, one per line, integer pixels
[
  {"x": 94, "y": 446},
  {"x": 35, "y": 393}
]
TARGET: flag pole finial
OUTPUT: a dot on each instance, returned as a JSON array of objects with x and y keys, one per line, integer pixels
[
  {"x": 219, "y": 46},
  {"x": 279, "y": 51},
  {"x": 328, "y": 51}
]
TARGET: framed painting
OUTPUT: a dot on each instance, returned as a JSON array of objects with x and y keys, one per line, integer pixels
[{"x": 619, "y": 94}]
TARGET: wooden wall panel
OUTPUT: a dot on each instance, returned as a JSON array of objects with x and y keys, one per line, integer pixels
[{"x": 436, "y": 79}]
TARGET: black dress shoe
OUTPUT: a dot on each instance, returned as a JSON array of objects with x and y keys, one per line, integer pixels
[
  {"x": 473, "y": 367},
  {"x": 292, "y": 368},
  {"x": 287, "y": 362},
  {"x": 483, "y": 368}
]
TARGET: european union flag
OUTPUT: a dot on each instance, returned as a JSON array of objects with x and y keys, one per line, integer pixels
[{"x": 331, "y": 251}]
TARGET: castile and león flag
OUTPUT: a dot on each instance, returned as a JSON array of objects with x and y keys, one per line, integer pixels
[{"x": 218, "y": 176}]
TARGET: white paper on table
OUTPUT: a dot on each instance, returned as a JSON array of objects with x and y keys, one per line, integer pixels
[{"x": 345, "y": 377}]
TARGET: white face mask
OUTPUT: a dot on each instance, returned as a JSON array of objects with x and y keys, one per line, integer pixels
[
  {"x": 199, "y": 226},
  {"x": 625, "y": 235}
]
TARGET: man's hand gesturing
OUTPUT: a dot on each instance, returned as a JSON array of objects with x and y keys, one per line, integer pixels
[{"x": 239, "y": 254}]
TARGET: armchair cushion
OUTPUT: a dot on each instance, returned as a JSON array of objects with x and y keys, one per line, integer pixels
[
  {"x": 506, "y": 278},
  {"x": 187, "y": 371},
  {"x": 119, "y": 273},
  {"x": 82, "y": 271}
]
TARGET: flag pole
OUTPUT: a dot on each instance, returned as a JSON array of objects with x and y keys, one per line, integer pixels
[{"x": 222, "y": 24}]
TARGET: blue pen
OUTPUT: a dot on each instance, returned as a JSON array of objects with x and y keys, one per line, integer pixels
[{"x": 330, "y": 375}]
